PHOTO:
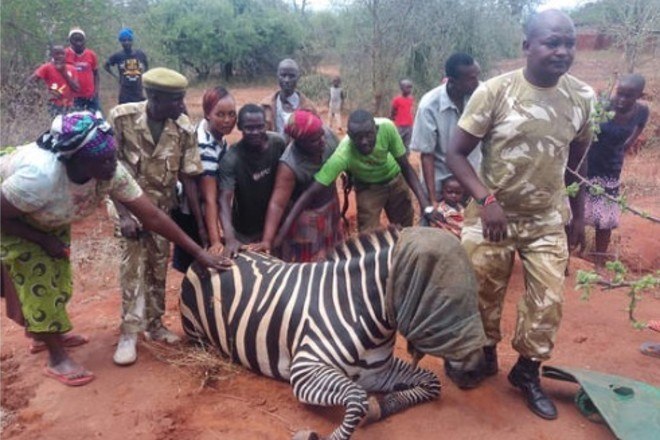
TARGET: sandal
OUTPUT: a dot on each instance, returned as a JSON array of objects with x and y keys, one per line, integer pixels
[
  {"x": 68, "y": 340},
  {"x": 650, "y": 349},
  {"x": 72, "y": 379}
]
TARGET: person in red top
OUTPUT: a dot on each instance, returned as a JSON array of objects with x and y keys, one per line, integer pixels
[
  {"x": 86, "y": 63},
  {"x": 402, "y": 111},
  {"x": 60, "y": 78}
]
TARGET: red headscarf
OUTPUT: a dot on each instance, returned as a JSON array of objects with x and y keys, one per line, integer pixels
[{"x": 303, "y": 125}]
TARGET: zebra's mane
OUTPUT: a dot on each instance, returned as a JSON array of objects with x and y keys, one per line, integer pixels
[{"x": 363, "y": 239}]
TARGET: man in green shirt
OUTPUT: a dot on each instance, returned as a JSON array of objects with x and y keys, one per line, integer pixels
[{"x": 374, "y": 154}]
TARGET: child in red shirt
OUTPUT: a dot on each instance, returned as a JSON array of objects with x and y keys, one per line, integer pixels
[
  {"x": 60, "y": 78},
  {"x": 402, "y": 111}
]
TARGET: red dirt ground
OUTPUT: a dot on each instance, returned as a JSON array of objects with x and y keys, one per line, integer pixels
[{"x": 156, "y": 400}]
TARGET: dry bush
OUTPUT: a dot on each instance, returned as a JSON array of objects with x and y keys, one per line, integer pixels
[{"x": 203, "y": 362}]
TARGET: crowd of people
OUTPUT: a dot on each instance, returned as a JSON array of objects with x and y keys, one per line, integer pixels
[{"x": 494, "y": 161}]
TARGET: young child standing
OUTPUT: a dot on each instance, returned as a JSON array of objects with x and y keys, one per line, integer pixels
[
  {"x": 402, "y": 111},
  {"x": 451, "y": 206},
  {"x": 61, "y": 80},
  {"x": 337, "y": 96},
  {"x": 605, "y": 158}
]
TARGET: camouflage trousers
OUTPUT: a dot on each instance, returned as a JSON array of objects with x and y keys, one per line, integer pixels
[
  {"x": 543, "y": 249},
  {"x": 143, "y": 271}
]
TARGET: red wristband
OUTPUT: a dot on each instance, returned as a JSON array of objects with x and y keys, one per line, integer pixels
[{"x": 490, "y": 198}]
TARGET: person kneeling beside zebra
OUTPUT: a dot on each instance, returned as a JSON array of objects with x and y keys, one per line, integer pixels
[{"x": 329, "y": 328}]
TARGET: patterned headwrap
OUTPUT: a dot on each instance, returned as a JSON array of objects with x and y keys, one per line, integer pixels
[
  {"x": 125, "y": 34},
  {"x": 303, "y": 124},
  {"x": 81, "y": 133}
]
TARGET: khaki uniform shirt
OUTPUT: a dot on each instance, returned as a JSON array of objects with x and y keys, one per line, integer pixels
[
  {"x": 526, "y": 132},
  {"x": 155, "y": 166}
]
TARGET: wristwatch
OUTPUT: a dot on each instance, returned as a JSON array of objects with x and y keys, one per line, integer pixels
[{"x": 429, "y": 210}]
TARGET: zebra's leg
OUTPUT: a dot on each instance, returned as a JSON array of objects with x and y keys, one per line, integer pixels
[
  {"x": 405, "y": 386},
  {"x": 319, "y": 384}
]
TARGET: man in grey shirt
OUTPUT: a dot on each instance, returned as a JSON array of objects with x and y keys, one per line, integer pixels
[{"x": 436, "y": 119}]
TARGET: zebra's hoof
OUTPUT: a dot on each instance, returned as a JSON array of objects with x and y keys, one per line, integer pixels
[
  {"x": 306, "y": 435},
  {"x": 374, "y": 413}
]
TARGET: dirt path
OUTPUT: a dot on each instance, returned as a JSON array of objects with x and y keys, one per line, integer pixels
[{"x": 155, "y": 400}]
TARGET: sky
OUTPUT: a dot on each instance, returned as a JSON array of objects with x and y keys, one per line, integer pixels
[{"x": 547, "y": 4}]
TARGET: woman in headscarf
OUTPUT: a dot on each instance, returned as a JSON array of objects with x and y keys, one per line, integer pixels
[
  {"x": 46, "y": 186},
  {"x": 318, "y": 228}
]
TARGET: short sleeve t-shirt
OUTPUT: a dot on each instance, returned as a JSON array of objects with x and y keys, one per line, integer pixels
[
  {"x": 304, "y": 169},
  {"x": 61, "y": 93},
  {"x": 131, "y": 66},
  {"x": 377, "y": 167},
  {"x": 606, "y": 153},
  {"x": 252, "y": 178},
  {"x": 526, "y": 132},
  {"x": 403, "y": 107},
  {"x": 85, "y": 64},
  {"x": 35, "y": 181}
]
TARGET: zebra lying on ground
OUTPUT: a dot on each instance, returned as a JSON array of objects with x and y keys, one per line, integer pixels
[{"x": 329, "y": 328}]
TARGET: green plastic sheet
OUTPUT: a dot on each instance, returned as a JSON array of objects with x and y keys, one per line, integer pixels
[{"x": 629, "y": 407}]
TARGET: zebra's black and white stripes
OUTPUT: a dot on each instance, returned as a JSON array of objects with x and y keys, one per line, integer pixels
[{"x": 322, "y": 326}]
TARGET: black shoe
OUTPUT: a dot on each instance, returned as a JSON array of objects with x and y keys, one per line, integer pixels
[
  {"x": 525, "y": 376},
  {"x": 490, "y": 358},
  {"x": 465, "y": 380}
]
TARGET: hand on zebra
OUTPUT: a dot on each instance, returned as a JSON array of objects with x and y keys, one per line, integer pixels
[
  {"x": 216, "y": 262},
  {"x": 232, "y": 246},
  {"x": 262, "y": 246}
]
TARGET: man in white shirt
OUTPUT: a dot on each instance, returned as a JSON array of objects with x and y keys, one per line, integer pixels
[{"x": 436, "y": 119}]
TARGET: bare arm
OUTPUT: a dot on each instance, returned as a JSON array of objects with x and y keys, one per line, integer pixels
[
  {"x": 493, "y": 220},
  {"x": 392, "y": 112},
  {"x": 191, "y": 192},
  {"x": 209, "y": 190},
  {"x": 285, "y": 182},
  {"x": 231, "y": 243},
  {"x": 96, "y": 83},
  {"x": 157, "y": 221},
  {"x": 577, "y": 150},
  {"x": 413, "y": 182},
  {"x": 108, "y": 68},
  {"x": 633, "y": 137},
  {"x": 428, "y": 171},
  {"x": 301, "y": 204}
]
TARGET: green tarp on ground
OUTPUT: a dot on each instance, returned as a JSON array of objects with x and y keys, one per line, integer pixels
[{"x": 629, "y": 407}]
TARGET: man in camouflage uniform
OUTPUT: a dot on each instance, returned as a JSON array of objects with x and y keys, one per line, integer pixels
[
  {"x": 533, "y": 123},
  {"x": 156, "y": 142}
]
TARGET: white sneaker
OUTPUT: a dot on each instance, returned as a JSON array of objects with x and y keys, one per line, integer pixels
[
  {"x": 126, "y": 353},
  {"x": 162, "y": 334}
]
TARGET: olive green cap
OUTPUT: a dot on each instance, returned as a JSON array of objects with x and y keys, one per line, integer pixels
[{"x": 164, "y": 80}]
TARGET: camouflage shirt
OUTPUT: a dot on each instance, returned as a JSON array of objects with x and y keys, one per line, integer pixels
[
  {"x": 526, "y": 132},
  {"x": 155, "y": 167}
]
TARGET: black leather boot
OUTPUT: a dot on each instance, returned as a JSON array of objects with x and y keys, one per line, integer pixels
[
  {"x": 490, "y": 358},
  {"x": 525, "y": 376}
]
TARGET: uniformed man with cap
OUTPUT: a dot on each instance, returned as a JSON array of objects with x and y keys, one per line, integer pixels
[{"x": 156, "y": 142}]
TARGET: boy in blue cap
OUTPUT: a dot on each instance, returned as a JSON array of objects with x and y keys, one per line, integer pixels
[{"x": 130, "y": 66}]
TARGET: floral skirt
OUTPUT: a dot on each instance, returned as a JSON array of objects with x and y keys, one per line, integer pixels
[
  {"x": 600, "y": 212},
  {"x": 43, "y": 284},
  {"x": 313, "y": 234}
]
